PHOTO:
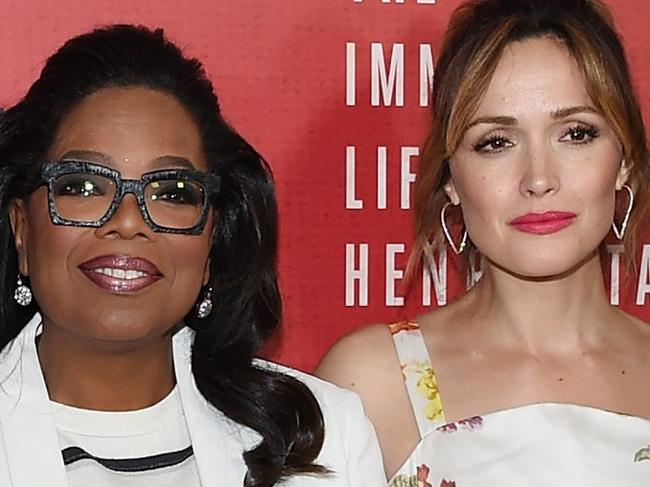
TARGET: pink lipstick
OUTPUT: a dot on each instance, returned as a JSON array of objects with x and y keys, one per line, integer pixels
[
  {"x": 119, "y": 274},
  {"x": 543, "y": 223}
]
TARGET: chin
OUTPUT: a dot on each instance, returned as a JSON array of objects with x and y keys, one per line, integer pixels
[
  {"x": 115, "y": 328},
  {"x": 121, "y": 333},
  {"x": 544, "y": 265}
]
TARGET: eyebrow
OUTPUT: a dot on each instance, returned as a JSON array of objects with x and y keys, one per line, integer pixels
[
  {"x": 177, "y": 161},
  {"x": 509, "y": 121},
  {"x": 87, "y": 155},
  {"x": 555, "y": 115},
  {"x": 98, "y": 157},
  {"x": 566, "y": 112}
]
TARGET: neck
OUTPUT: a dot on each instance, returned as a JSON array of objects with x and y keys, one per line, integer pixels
[
  {"x": 106, "y": 376},
  {"x": 564, "y": 313}
]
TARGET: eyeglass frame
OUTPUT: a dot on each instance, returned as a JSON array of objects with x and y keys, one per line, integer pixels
[{"x": 53, "y": 169}]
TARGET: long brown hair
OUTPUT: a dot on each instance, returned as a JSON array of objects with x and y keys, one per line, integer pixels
[{"x": 478, "y": 33}]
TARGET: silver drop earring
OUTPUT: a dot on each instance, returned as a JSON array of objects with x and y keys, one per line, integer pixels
[
  {"x": 205, "y": 305},
  {"x": 463, "y": 241},
  {"x": 22, "y": 294},
  {"x": 620, "y": 233}
]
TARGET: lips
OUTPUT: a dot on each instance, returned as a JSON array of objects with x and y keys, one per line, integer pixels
[
  {"x": 544, "y": 223},
  {"x": 120, "y": 274}
]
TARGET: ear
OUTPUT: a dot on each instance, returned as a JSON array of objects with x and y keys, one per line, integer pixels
[
  {"x": 213, "y": 234},
  {"x": 623, "y": 174},
  {"x": 206, "y": 272},
  {"x": 451, "y": 192},
  {"x": 20, "y": 229}
]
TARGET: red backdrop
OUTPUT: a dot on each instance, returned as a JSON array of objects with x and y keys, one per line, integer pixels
[{"x": 331, "y": 92}]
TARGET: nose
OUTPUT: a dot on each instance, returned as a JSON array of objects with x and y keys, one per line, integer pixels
[
  {"x": 539, "y": 177},
  {"x": 127, "y": 222}
]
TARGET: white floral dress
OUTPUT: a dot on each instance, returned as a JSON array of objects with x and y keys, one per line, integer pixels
[{"x": 537, "y": 445}]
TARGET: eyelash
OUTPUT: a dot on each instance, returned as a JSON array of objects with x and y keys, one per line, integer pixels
[
  {"x": 588, "y": 130},
  {"x": 492, "y": 139}
]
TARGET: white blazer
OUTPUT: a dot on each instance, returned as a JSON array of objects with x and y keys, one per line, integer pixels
[{"x": 30, "y": 455}]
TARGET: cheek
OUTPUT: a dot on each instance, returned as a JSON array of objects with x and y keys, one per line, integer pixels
[
  {"x": 190, "y": 255},
  {"x": 46, "y": 245},
  {"x": 48, "y": 256},
  {"x": 595, "y": 174},
  {"x": 597, "y": 200},
  {"x": 484, "y": 200},
  {"x": 595, "y": 192}
]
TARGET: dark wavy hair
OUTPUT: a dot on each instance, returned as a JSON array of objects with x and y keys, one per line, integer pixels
[{"x": 247, "y": 305}]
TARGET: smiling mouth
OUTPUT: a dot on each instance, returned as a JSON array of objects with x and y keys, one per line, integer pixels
[
  {"x": 127, "y": 274},
  {"x": 120, "y": 274}
]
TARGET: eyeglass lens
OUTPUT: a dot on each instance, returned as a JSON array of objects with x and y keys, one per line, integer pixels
[{"x": 170, "y": 203}]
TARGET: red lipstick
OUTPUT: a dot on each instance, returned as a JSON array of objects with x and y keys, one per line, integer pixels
[
  {"x": 119, "y": 274},
  {"x": 543, "y": 223}
]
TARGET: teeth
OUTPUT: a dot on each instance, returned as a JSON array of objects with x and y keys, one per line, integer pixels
[
  {"x": 134, "y": 274},
  {"x": 120, "y": 273}
]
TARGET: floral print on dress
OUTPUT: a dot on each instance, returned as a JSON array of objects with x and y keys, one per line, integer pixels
[
  {"x": 473, "y": 451},
  {"x": 428, "y": 387},
  {"x": 420, "y": 370},
  {"x": 422, "y": 386},
  {"x": 395, "y": 328},
  {"x": 468, "y": 424},
  {"x": 642, "y": 454},
  {"x": 420, "y": 479}
]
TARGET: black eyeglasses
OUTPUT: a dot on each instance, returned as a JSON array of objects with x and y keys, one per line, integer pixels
[{"x": 84, "y": 194}]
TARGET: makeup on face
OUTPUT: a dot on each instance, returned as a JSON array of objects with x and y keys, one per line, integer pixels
[
  {"x": 124, "y": 267},
  {"x": 544, "y": 223},
  {"x": 536, "y": 170},
  {"x": 571, "y": 126},
  {"x": 121, "y": 274}
]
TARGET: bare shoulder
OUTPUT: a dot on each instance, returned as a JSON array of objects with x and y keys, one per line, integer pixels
[
  {"x": 366, "y": 362},
  {"x": 356, "y": 360}
]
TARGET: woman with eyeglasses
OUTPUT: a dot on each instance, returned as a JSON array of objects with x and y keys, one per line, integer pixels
[
  {"x": 137, "y": 283},
  {"x": 536, "y": 154}
]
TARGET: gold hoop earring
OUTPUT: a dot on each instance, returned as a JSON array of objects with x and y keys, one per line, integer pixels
[
  {"x": 463, "y": 241},
  {"x": 620, "y": 233}
]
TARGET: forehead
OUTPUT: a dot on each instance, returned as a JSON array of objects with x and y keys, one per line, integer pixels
[
  {"x": 534, "y": 76},
  {"x": 131, "y": 127}
]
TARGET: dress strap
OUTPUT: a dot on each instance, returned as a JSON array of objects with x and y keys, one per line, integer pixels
[{"x": 419, "y": 376}]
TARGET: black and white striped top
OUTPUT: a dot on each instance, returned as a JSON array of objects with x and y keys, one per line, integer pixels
[{"x": 140, "y": 448}]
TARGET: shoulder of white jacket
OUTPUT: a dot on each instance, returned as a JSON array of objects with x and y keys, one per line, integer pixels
[
  {"x": 327, "y": 394},
  {"x": 12, "y": 352}
]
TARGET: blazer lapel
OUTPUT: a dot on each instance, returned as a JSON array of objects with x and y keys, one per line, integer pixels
[
  {"x": 217, "y": 441},
  {"x": 31, "y": 444}
]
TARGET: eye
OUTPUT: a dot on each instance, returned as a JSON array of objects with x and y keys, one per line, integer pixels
[
  {"x": 580, "y": 134},
  {"x": 176, "y": 192},
  {"x": 81, "y": 185},
  {"x": 493, "y": 144}
]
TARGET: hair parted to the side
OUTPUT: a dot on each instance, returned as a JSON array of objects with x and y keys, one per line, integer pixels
[
  {"x": 478, "y": 33},
  {"x": 247, "y": 306}
]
